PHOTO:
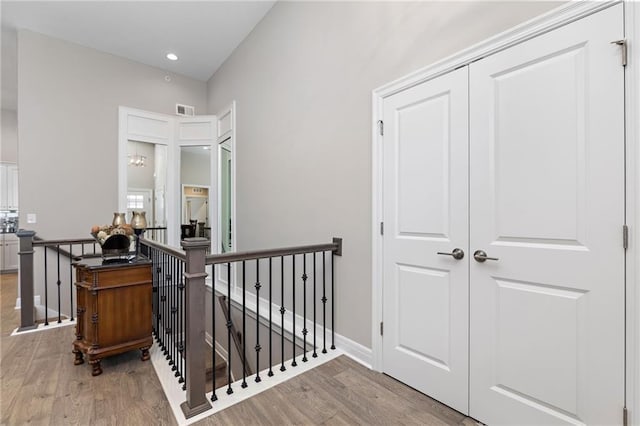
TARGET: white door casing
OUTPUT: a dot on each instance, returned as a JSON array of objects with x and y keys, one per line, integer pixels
[
  {"x": 547, "y": 199},
  {"x": 425, "y": 209}
]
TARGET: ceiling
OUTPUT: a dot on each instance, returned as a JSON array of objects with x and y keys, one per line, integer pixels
[{"x": 202, "y": 33}]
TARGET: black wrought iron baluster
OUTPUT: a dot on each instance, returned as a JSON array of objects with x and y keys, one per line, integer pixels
[
  {"x": 178, "y": 337},
  {"x": 324, "y": 302},
  {"x": 304, "y": 307},
  {"x": 315, "y": 353},
  {"x": 46, "y": 288},
  {"x": 168, "y": 308},
  {"x": 293, "y": 286},
  {"x": 214, "y": 397},
  {"x": 282, "y": 311},
  {"x": 163, "y": 300},
  {"x": 180, "y": 318},
  {"x": 244, "y": 328},
  {"x": 229, "y": 325},
  {"x": 258, "y": 347},
  {"x": 154, "y": 293},
  {"x": 168, "y": 303},
  {"x": 58, "y": 284},
  {"x": 270, "y": 373},
  {"x": 173, "y": 310},
  {"x": 333, "y": 310},
  {"x": 158, "y": 271},
  {"x": 183, "y": 370},
  {"x": 174, "y": 314},
  {"x": 71, "y": 280}
]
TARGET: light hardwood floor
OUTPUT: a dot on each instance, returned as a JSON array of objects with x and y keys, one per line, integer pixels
[{"x": 40, "y": 385}]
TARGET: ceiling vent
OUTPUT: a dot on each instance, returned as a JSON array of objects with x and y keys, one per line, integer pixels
[{"x": 185, "y": 110}]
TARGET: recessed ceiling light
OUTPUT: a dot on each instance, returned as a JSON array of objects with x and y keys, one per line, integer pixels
[{"x": 172, "y": 56}]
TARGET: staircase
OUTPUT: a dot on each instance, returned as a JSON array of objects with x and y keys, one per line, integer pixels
[{"x": 219, "y": 371}]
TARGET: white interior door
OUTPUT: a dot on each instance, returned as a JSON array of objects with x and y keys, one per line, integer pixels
[
  {"x": 547, "y": 200},
  {"x": 425, "y": 342}
]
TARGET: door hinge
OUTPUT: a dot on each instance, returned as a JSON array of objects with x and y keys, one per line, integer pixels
[
  {"x": 625, "y": 416},
  {"x": 381, "y": 228},
  {"x": 381, "y": 127},
  {"x": 625, "y": 237},
  {"x": 623, "y": 47},
  {"x": 381, "y": 328}
]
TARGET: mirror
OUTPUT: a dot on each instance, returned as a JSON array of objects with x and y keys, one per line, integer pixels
[
  {"x": 195, "y": 182},
  {"x": 146, "y": 185},
  {"x": 225, "y": 196}
]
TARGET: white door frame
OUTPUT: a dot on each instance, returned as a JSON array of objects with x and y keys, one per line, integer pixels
[
  {"x": 226, "y": 135},
  {"x": 563, "y": 15}
]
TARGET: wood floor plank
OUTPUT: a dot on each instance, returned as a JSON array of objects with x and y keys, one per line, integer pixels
[{"x": 40, "y": 385}]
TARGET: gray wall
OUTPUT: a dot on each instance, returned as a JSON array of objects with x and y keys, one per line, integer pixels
[
  {"x": 195, "y": 169},
  {"x": 9, "y": 144},
  {"x": 141, "y": 177},
  {"x": 302, "y": 81},
  {"x": 68, "y": 125}
]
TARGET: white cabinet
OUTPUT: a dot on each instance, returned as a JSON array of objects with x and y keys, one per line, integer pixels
[
  {"x": 8, "y": 186},
  {"x": 9, "y": 246}
]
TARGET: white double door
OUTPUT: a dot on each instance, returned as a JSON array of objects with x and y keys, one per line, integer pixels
[{"x": 519, "y": 155}]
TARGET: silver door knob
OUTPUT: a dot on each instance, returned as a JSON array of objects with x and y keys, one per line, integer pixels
[
  {"x": 481, "y": 256},
  {"x": 456, "y": 253}
]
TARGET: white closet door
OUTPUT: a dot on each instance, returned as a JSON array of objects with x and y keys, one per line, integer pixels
[
  {"x": 426, "y": 212},
  {"x": 547, "y": 200}
]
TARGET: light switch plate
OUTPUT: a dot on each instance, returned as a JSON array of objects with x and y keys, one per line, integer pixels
[{"x": 31, "y": 218}]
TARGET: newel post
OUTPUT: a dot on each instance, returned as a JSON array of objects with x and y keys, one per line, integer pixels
[
  {"x": 27, "y": 310},
  {"x": 195, "y": 291}
]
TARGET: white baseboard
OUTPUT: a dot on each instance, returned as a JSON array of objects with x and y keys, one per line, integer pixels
[
  {"x": 175, "y": 395},
  {"x": 220, "y": 350},
  {"x": 355, "y": 350},
  {"x": 351, "y": 348}
]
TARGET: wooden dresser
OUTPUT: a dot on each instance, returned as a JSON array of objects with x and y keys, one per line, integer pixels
[{"x": 114, "y": 310}]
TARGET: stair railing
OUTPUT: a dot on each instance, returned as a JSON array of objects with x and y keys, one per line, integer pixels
[
  {"x": 64, "y": 251},
  {"x": 293, "y": 276}
]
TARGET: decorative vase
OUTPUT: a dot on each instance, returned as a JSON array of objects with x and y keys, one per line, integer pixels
[
  {"x": 139, "y": 220},
  {"x": 119, "y": 219},
  {"x": 139, "y": 224}
]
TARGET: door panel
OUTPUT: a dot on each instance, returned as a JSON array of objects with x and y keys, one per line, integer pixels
[
  {"x": 547, "y": 200},
  {"x": 425, "y": 211}
]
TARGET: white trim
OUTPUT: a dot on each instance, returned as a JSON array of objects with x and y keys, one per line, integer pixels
[
  {"x": 632, "y": 93},
  {"x": 220, "y": 350},
  {"x": 353, "y": 349},
  {"x": 175, "y": 395},
  {"x": 222, "y": 138},
  {"x": 42, "y": 327},
  {"x": 169, "y": 141},
  {"x": 377, "y": 240},
  {"x": 563, "y": 15}
]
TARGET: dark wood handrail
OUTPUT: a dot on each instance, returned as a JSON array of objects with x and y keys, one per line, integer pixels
[
  {"x": 234, "y": 334},
  {"x": 163, "y": 247},
  {"x": 37, "y": 241},
  {"x": 215, "y": 259},
  {"x": 56, "y": 245}
]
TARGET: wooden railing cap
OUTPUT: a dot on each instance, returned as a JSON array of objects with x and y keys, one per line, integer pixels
[{"x": 194, "y": 243}]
